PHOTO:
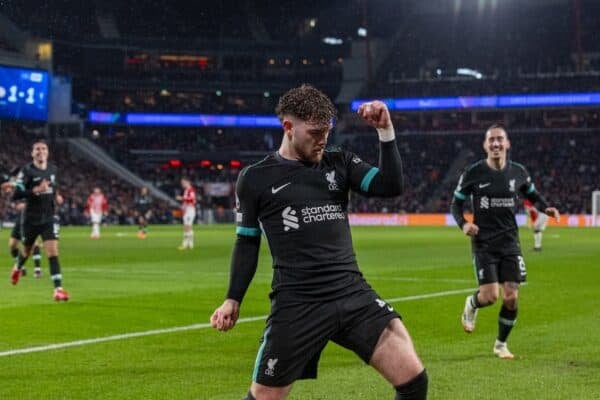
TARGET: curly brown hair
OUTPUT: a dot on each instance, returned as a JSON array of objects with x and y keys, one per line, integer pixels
[{"x": 308, "y": 104}]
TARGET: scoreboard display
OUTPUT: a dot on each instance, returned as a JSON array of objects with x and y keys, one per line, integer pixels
[{"x": 23, "y": 93}]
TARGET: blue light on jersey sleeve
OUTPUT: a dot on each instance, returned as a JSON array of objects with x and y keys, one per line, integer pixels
[
  {"x": 366, "y": 181},
  {"x": 245, "y": 231},
  {"x": 531, "y": 189},
  {"x": 459, "y": 195}
]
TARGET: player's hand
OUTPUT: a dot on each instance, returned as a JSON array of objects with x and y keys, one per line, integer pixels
[
  {"x": 470, "y": 229},
  {"x": 42, "y": 187},
  {"x": 376, "y": 114},
  {"x": 225, "y": 317},
  {"x": 7, "y": 187},
  {"x": 553, "y": 212}
]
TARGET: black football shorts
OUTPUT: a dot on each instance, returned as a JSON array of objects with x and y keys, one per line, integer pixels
[
  {"x": 493, "y": 267},
  {"x": 48, "y": 231},
  {"x": 296, "y": 333}
]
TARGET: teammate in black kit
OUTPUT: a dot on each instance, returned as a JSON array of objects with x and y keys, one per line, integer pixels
[
  {"x": 298, "y": 197},
  {"x": 143, "y": 211},
  {"x": 494, "y": 185},
  {"x": 37, "y": 185},
  {"x": 15, "y": 236}
]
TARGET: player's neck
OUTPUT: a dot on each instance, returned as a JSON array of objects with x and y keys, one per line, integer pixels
[
  {"x": 287, "y": 152},
  {"x": 40, "y": 164},
  {"x": 496, "y": 163}
]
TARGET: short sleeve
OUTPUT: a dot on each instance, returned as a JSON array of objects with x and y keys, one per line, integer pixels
[
  {"x": 464, "y": 187},
  {"x": 360, "y": 173},
  {"x": 246, "y": 216}
]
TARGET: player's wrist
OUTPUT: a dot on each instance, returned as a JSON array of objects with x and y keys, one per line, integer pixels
[
  {"x": 386, "y": 134},
  {"x": 233, "y": 302}
]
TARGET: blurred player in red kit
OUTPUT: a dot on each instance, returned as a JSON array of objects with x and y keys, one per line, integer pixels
[
  {"x": 188, "y": 208},
  {"x": 539, "y": 220},
  {"x": 95, "y": 209}
]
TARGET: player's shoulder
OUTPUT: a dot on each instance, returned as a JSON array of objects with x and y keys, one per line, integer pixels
[
  {"x": 51, "y": 169},
  {"x": 27, "y": 167},
  {"x": 338, "y": 155},
  {"x": 517, "y": 166},
  {"x": 476, "y": 167},
  {"x": 258, "y": 167}
]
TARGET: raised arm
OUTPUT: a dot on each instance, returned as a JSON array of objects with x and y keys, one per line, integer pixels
[{"x": 386, "y": 180}]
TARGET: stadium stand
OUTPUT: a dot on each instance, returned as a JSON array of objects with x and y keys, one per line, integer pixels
[{"x": 221, "y": 62}]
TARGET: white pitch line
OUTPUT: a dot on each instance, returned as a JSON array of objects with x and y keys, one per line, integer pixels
[
  {"x": 429, "y": 295},
  {"x": 84, "y": 342},
  {"x": 408, "y": 279}
]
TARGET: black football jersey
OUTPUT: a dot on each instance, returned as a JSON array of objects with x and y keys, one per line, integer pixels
[
  {"x": 302, "y": 210},
  {"x": 494, "y": 195},
  {"x": 143, "y": 203},
  {"x": 39, "y": 208}
]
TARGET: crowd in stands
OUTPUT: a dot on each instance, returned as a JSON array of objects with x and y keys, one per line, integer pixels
[
  {"x": 461, "y": 121},
  {"x": 165, "y": 101},
  {"x": 488, "y": 85},
  {"x": 562, "y": 162},
  {"x": 547, "y": 148}
]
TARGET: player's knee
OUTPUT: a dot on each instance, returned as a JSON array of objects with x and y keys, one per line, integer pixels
[
  {"x": 261, "y": 392},
  {"x": 488, "y": 297},
  {"x": 52, "y": 253},
  {"x": 415, "y": 389},
  {"x": 511, "y": 300}
]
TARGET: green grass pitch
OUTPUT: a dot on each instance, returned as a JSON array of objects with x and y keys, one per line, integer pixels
[{"x": 121, "y": 284}]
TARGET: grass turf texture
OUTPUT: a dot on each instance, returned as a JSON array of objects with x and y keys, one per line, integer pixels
[{"x": 121, "y": 284}]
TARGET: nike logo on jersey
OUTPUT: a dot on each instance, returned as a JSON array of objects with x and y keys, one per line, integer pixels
[
  {"x": 482, "y": 185},
  {"x": 277, "y": 189}
]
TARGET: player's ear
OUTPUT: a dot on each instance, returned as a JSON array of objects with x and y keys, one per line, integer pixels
[
  {"x": 287, "y": 127},
  {"x": 507, "y": 144}
]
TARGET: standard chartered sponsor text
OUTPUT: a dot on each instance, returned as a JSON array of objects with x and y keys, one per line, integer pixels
[
  {"x": 328, "y": 212},
  {"x": 503, "y": 202}
]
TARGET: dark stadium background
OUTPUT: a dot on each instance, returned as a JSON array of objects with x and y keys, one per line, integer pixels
[{"x": 236, "y": 58}]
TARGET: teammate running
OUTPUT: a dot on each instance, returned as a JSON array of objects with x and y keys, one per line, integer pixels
[
  {"x": 36, "y": 184},
  {"x": 493, "y": 184}
]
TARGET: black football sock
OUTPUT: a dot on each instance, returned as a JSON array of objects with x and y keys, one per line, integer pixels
[
  {"x": 415, "y": 389},
  {"x": 37, "y": 257},
  {"x": 55, "y": 271},
  {"x": 22, "y": 259},
  {"x": 506, "y": 321},
  {"x": 14, "y": 253},
  {"x": 475, "y": 301}
]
